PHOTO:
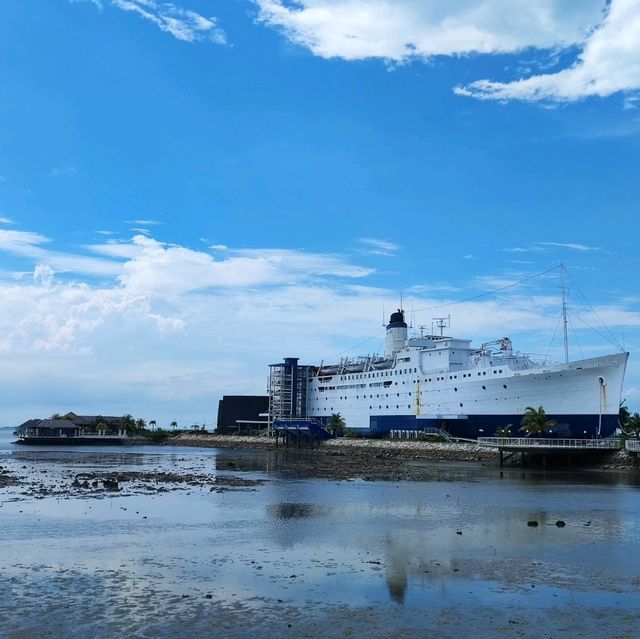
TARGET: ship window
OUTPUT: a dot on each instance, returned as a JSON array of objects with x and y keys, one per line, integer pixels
[
  {"x": 409, "y": 394},
  {"x": 460, "y": 404},
  {"x": 397, "y": 406},
  {"x": 455, "y": 388},
  {"x": 500, "y": 371},
  {"x": 386, "y": 407},
  {"x": 408, "y": 405},
  {"x": 484, "y": 387},
  {"x": 504, "y": 386},
  {"x": 484, "y": 372}
]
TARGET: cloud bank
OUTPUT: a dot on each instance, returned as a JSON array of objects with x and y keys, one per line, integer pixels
[
  {"x": 609, "y": 63},
  {"x": 607, "y": 36},
  {"x": 400, "y": 30},
  {"x": 162, "y": 330}
]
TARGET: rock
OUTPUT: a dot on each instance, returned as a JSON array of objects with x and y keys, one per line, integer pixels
[{"x": 111, "y": 484}]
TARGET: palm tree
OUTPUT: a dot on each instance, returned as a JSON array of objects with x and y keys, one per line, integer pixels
[
  {"x": 535, "y": 421},
  {"x": 623, "y": 416},
  {"x": 336, "y": 423},
  {"x": 174, "y": 424},
  {"x": 632, "y": 427},
  {"x": 504, "y": 431},
  {"x": 152, "y": 424},
  {"x": 141, "y": 424}
]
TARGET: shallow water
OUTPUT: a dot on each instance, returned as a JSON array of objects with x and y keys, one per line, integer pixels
[{"x": 307, "y": 557}]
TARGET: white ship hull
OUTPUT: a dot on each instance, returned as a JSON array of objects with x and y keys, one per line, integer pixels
[{"x": 583, "y": 397}]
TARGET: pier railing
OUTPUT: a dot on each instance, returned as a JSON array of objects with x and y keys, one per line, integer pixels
[
  {"x": 553, "y": 443},
  {"x": 633, "y": 445}
]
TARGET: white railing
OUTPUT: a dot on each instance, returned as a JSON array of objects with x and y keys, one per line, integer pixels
[
  {"x": 633, "y": 445},
  {"x": 533, "y": 442}
]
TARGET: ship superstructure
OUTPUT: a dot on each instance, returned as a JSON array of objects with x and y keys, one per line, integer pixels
[{"x": 438, "y": 381}]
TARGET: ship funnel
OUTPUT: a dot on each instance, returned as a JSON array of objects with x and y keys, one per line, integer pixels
[{"x": 396, "y": 334}]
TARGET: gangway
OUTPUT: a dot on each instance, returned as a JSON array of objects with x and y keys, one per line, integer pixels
[{"x": 300, "y": 428}]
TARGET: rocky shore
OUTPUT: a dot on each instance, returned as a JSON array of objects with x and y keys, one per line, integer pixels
[{"x": 387, "y": 458}]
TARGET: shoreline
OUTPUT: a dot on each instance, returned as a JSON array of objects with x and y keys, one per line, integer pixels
[{"x": 377, "y": 451}]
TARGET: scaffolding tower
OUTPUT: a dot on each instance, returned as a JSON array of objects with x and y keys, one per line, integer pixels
[{"x": 287, "y": 390}]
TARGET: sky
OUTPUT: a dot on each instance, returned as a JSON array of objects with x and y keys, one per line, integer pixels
[{"x": 191, "y": 191}]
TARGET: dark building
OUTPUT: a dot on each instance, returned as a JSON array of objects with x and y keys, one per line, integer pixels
[{"x": 236, "y": 412}]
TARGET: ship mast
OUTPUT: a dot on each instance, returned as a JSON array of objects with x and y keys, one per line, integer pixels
[{"x": 564, "y": 313}]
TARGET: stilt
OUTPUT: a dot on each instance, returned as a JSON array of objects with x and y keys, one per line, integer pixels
[{"x": 501, "y": 458}]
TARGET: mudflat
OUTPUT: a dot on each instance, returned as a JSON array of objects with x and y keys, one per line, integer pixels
[{"x": 205, "y": 542}]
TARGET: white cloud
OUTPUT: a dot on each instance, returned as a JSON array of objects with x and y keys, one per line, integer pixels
[
  {"x": 66, "y": 170},
  {"x": 571, "y": 246},
  {"x": 401, "y": 30},
  {"x": 182, "y": 24},
  {"x": 143, "y": 222},
  {"x": 540, "y": 247},
  {"x": 6, "y": 220},
  {"x": 96, "y": 3},
  {"x": 31, "y": 245},
  {"x": 379, "y": 247},
  {"x": 176, "y": 269},
  {"x": 609, "y": 63}
]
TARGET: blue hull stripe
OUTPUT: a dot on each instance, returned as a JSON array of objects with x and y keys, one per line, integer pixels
[{"x": 577, "y": 426}]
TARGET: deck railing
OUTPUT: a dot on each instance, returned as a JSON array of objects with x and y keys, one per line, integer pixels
[
  {"x": 633, "y": 445},
  {"x": 541, "y": 442}
]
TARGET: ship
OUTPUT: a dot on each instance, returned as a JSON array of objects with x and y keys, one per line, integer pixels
[{"x": 438, "y": 383}]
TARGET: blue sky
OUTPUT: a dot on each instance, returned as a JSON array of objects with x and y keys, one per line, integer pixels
[{"x": 191, "y": 191}]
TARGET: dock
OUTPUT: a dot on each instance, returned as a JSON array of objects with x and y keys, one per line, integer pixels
[
  {"x": 544, "y": 446},
  {"x": 301, "y": 429},
  {"x": 633, "y": 445}
]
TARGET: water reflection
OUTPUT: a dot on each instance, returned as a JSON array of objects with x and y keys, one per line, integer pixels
[
  {"x": 300, "y": 540},
  {"x": 287, "y": 510}
]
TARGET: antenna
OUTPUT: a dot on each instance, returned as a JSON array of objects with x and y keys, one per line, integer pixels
[
  {"x": 441, "y": 323},
  {"x": 564, "y": 313},
  {"x": 383, "y": 315}
]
